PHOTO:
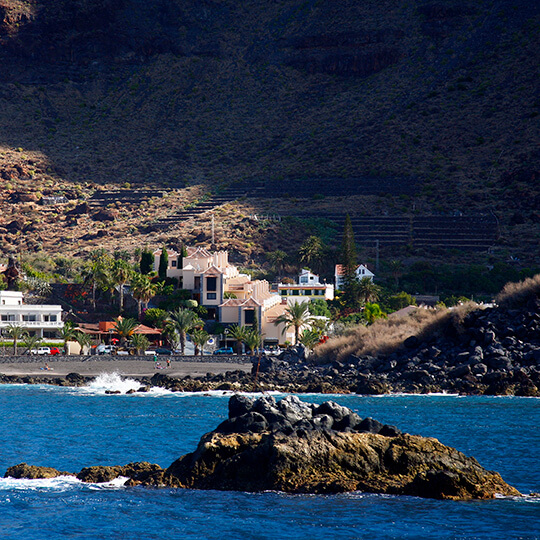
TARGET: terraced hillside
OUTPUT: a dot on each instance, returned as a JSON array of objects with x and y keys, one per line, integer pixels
[{"x": 417, "y": 108}]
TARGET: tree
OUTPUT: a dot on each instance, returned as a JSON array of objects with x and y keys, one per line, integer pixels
[
  {"x": 140, "y": 342},
  {"x": 146, "y": 264},
  {"x": 296, "y": 315},
  {"x": 238, "y": 333},
  {"x": 372, "y": 312},
  {"x": 120, "y": 274},
  {"x": 84, "y": 341},
  {"x": 312, "y": 253},
  {"x": 183, "y": 321},
  {"x": 277, "y": 261},
  {"x": 396, "y": 269},
  {"x": 348, "y": 250},
  {"x": 68, "y": 333},
  {"x": 125, "y": 328},
  {"x": 155, "y": 317},
  {"x": 368, "y": 291},
  {"x": 142, "y": 290},
  {"x": 16, "y": 333},
  {"x": 31, "y": 342},
  {"x": 309, "y": 338},
  {"x": 96, "y": 273},
  {"x": 163, "y": 263},
  {"x": 199, "y": 338},
  {"x": 253, "y": 338}
]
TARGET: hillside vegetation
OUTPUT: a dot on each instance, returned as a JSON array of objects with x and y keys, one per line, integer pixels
[{"x": 439, "y": 96}]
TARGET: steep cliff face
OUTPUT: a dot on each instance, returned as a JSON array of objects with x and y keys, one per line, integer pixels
[{"x": 167, "y": 91}]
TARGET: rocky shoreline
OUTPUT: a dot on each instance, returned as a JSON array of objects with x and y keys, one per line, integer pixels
[
  {"x": 298, "y": 447},
  {"x": 492, "y": 351}
]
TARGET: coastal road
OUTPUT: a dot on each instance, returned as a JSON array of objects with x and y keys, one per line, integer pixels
[{"x": 127, "y": 367}]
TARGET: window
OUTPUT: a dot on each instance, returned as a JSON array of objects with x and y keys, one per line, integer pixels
[
  {"x": 211, "y": 284},
  {"x": 295, "y": 292},
  {"x": 303, "y": 279},
  {"x": 8, "y": 318},
  {"x": 49, "y": 318},
  {"x": 249, "y": 316},
  {"x": 283, "y": 292},
  {"x": 173, "y": 264},
  {"x": 29, "y": 318},
  {"x": 211, "y": 296}
]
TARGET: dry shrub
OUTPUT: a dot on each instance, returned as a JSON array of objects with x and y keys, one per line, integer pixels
[
  {"x": 387, "y": 335},
  {"x": 518, "y": 294}
]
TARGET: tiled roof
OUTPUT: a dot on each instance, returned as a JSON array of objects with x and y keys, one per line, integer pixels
[
  {"x": 212, "y": 271},
  {"x": 340, "y": 270}
]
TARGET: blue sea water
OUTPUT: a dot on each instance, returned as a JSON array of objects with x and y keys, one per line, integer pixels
[{"x": 69, "y": 428}]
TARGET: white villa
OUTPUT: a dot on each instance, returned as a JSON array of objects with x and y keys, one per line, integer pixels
[
  {"x": 308, "y": 288},
  {"x": 43, "y": 321},
  {"x": 229, "y": 296},
  {"x": 362, "y": 271}
]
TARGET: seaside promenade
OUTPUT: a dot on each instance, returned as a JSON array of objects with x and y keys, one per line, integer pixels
[{"x": 181, "y": 366}]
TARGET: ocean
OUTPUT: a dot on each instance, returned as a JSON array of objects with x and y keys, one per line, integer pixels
[{"x": 70, "y": 428}]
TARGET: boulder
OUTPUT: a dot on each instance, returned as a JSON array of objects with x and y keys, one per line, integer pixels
[
  {"x": 332, "y": 462},
  {"x": 33, "y": 472}
]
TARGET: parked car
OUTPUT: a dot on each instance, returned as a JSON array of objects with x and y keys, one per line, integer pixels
[
  {"x": 224, "y": 350},
  {"x": 163, "y": 351},
  {"x": 41, "y": 351},
  {"x": 54, "y": 351},
  {"x": 105, "y": 349}
]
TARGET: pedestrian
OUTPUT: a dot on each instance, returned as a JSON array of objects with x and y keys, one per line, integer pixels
[
  {"x": 155, "y": 358},
  {"x": 168, "y": 362}
]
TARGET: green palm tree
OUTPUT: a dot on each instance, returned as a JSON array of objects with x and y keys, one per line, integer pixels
[
  {"x": 125, "y": 328},
  {"x": 368, "y": 291},
  {"x": 68, "y": 333},
  {"x": 140, "y": 342},
  {"x": 142, "y": 290},
  {"x": 309, "y": 338},
  {"x": 31, "y": 342},
  {"x": 183, "y": 321},
  {"x": 296, "y": 315},
  {"x": 120, "y": 274},
  {"x": 16, "y": 333},
  {"x": 253, "y": 339},
  {"x": 239, "y": 334},
  {"x": 311, "y": 253},
  {"x": 97, "y": 272},
  {"x": 277, "y": 260},
  {"x": 84, "y": 340},
  {"x": 199, "y": 338},
  {"x": 372, "y": 312}
]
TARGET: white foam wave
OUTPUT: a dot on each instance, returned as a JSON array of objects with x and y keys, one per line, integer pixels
[
  {"x": 59, "y": 483},
  {"x": 112, "y": 382}
]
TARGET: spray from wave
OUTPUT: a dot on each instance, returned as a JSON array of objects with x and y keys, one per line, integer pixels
[{"x": 111, "y": 382}]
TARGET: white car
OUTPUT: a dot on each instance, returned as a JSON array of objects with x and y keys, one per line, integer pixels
[
  {"x": 105, "y": 349},
  {"x": 41, "y": 351}
]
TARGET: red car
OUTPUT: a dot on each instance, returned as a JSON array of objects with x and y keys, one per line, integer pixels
[{"x": 54, "y": 351}]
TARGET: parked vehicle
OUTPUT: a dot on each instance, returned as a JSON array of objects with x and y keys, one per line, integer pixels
[
  {"x": 163, "y": 351},
  {"x": 41, "y": 351},
  {"x": 54, "y": 351},
  {"x": 224, "y": 351},
  {"x": 105, "y": 349}
]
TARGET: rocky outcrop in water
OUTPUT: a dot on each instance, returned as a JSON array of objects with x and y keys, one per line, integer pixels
[{"x": 298, "y": 447}]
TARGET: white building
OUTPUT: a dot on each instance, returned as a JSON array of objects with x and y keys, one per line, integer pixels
[
  {"x": 362, "y": 271},
  {"x": 43, "y": 321},
  {"x": 308, "y": 288}
]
